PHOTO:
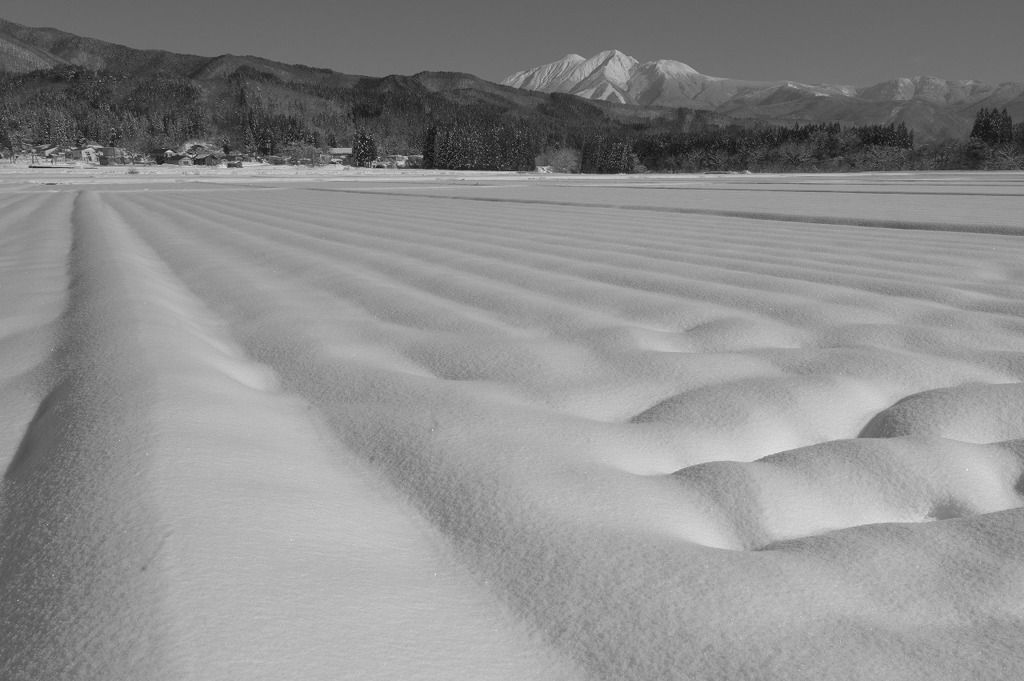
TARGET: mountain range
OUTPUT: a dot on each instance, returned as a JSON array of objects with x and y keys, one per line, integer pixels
[
  {"x": 620, "y": 86},
  {"x": 933, "y": 107},
  {"x": 24, "y": 49}
]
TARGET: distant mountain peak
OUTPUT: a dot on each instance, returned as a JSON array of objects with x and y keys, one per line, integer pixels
[
  {"x": 610, "y": 54},
  {"x": 936, "y": 108},
  {"x": 610, "y": 75}
]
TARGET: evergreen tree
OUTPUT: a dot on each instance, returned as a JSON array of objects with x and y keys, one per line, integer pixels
[
  {"x": 1018, "y": 137},
  {"x": 992, "y": 127},
  {"x": 429, "y": 143},
  {"x": 364, "y": 149},
  {"x": 1004, "y": 128},
  {"x": 982, "y": 128}
]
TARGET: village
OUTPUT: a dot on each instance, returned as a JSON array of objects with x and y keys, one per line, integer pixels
[{"x": 90, "y": 154}]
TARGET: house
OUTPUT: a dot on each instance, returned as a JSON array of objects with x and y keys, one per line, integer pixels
[
  {"x": 45, "y": 152},
  {"x": 51, "y": 154},
  {"x": 162, "y": 155},
  {"x": 207, "y": 158},
  {"x": 340, "y": 154},
  {"x": 86, "y": 153},
  {"x": 112, "y": 156}
]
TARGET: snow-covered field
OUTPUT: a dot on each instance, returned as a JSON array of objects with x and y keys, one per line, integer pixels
[{"x": 395, "y": 426}]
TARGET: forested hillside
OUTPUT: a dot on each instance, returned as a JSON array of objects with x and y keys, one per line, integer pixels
[
  {"x": 457, "y": 128},
  {"x": 57, "y": 88},
  {"x": 256, "y": 110},
  {"x": 455, "y": 121}
]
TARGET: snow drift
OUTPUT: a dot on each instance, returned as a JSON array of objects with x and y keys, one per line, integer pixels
[{"x": 510, "y": 427}]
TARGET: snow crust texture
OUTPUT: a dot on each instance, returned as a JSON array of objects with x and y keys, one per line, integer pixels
[{"x": 511, "y": 427}]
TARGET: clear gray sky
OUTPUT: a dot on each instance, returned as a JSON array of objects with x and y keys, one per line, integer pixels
[{"x": 848, "y": 42}]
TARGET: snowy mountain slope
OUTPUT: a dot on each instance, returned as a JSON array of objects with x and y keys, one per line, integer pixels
[
  {"x": 605, "y": 76},
  {"x": 947, "y": 106},
  {"x": 614, "y": 76}
]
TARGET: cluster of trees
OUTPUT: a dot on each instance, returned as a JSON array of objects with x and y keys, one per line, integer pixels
[
  {"x": 69, "y": 104},
  {"x": 710, "y": 148},
  {"x": 364, "y": 149},
  {"x": 479, "y": 139},
  {"x": 250, "y": 111},
  {"x": 995, "y": 144},
  {"x": 992, "y": 127},
  {"x": 254, "y": 111},
  {"x": 825, "y": 147},
  {"x": 577, "y": 144}
]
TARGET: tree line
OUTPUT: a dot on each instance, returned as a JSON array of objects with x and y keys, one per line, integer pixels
[{"x": 256, "y": 112}]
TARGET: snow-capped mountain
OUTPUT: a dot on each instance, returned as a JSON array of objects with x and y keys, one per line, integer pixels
[
  {"x": 933, "y": 106},
  {"x": 617, "y": 77}
]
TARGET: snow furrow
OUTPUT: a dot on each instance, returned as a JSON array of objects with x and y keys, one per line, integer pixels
[
  {"x": 327, "y": 557},
  {"x": 819, "y": 217},
  {"x": 362, "y": 433},
  {"x": 704, "y": 261},
  {"x": 77, "y": 525}
]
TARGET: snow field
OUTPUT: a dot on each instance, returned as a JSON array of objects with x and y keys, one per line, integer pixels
[{"x": 637, "y": 428}]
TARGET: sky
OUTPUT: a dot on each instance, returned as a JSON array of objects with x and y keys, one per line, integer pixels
[{"x": 851, "y": 42}]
